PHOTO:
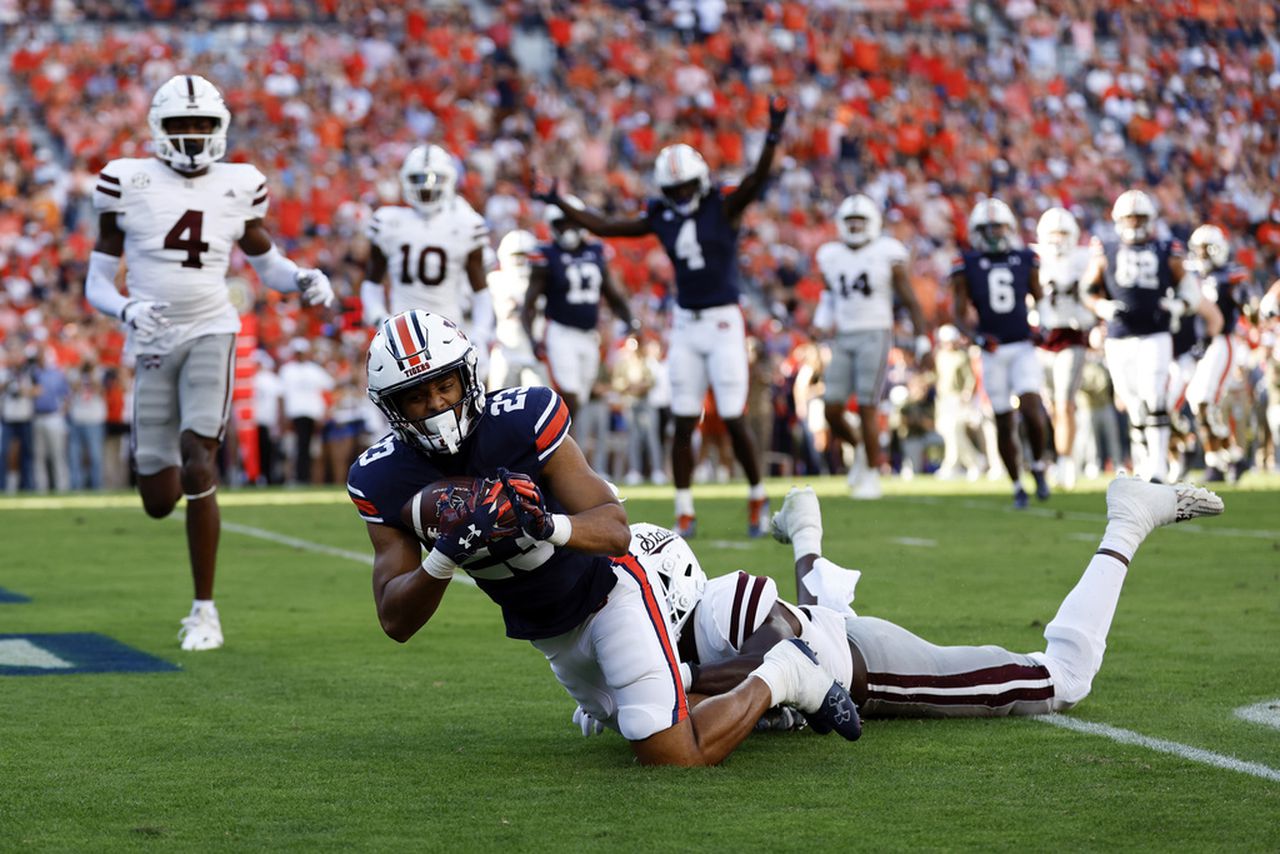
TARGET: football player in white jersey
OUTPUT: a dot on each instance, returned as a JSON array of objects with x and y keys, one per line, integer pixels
[
  {"x": 863, "y": 272},
  {"x": 513, "y": 362},
  {"x": 175, "y": 218},
  {"x": 723, "y": 623},
  {"x": 1064, "y": 326},
  {"x": 434, "y": 250}
]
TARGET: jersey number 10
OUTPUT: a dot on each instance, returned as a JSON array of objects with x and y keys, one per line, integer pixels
[{"x": 429, "y": 272}]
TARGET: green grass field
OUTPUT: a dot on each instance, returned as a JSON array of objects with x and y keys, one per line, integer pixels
[{"x": 313, "y": 731}]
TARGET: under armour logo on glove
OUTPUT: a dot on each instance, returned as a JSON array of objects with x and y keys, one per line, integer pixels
[{"x": 466, "y": 540}]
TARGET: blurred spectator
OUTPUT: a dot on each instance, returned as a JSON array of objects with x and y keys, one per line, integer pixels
[
  {"x": 306, "y": 386},
  {"x": 87, "y": 420},
  {"x": 268, "y": 398},
  {"x": 115, "y": 452},
  {"x": 954, "y": 406},
  {"x": 50, "y": 443},
  {"x": 19, "y": 413}
]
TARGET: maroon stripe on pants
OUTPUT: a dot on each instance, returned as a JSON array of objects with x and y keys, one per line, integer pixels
[
  {"x": 985, "y": 676},
  {"x": 1003, "y": 698}
]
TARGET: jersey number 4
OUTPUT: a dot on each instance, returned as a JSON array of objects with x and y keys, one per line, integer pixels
[
  {"x": 430, "y": 269},
  {"x": 185, "y": 237},
  {"x": 687, "y": 247}
]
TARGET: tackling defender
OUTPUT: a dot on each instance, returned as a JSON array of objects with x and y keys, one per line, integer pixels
[
  {"x": 597, "y": 619},
  {"x": 175, "y": 219}
]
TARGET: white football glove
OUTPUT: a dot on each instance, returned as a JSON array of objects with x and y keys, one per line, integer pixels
[
  {"x": 1269, "y": 307},
  {"x": 314, "y": 286},
  {"x": 589, "y": 725},
  {"x": 1107, "y": 308},
  {"x": 146, "y": 318}
]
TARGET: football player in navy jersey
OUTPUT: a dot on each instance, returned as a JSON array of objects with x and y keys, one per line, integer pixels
[
  {"x": 698, "y": 225},
  {"x": 1222, "y": 285},
  {"x": 597, "y": 619},
  {"x": 1130, "y": 285},
  {"x": 572, "y": 276},
  {"x": 995, "y": 279}
]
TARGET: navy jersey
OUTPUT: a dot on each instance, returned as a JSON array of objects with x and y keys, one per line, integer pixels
[
  {"x": 544, "y": 591},
  {"x": 1138, "y": 277},
  {"x": 999, "y": 284},
  {"x": 1225, "y": 287},
  {"x": 703, "y": 247},
  {"x": 574, "y": 281}
]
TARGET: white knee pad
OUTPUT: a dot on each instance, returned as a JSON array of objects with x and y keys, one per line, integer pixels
[{"x": 1073, "y": 659}]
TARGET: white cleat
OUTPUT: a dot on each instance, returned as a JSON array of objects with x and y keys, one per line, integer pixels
[
  {"x": 1147, "y": 506},
  {"x": 799, "y": 510},
  {"x": 201, "y": 630},
  {"x": 868, "y": 489}
]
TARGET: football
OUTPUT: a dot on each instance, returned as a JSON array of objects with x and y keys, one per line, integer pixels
[{"x": 441, "y": 505}]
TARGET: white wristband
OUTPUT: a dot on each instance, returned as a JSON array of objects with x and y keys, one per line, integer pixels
[
  {"x": 438, "y": 565},
  {"x": 562, "y": 530}
]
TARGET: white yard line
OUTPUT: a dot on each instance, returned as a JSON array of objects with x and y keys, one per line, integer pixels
[
  {"x": 1266, "y": 713},
  {"x": 363, "y": 558},
  {"x": 918, "y": 542},
  {"x": 1183, "y": 751}
]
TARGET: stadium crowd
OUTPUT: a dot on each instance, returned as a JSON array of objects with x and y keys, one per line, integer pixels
[{"x": 925, "y": 105}]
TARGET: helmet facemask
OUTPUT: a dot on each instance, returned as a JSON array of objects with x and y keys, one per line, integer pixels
[{"x": 188, "y": 122}]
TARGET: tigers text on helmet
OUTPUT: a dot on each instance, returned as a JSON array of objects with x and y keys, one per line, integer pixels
[
  {"x": 855, "y": 208},
  {"x": 428, "y": 178},
  {"x": 565, "y": 235},
  {"x": 665, "y": 553},
  {"x": 682, "y": 176},
  {"x": 1134, "y": 215},
  {"x": 992, "y": 226},
  {"x": 514, "y": 250},
  {"x": 415, "y": 347},
  {"x": 1057, "y": 232},
  {"x": 1209, "y": 248},
  {"x": 182, "y": 97}
]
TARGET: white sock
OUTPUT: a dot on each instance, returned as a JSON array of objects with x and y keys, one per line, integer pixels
[
  {"x": 1122, "y": 537},
  {"x": 1158, "y": 454},
  {"x": 1076, "y": 637},
  {"x": 684, "y": 502},
  {"x": 756, "y": 492},
  {"x": 199, "y": 605},
  {"x": 774, "y": 674},
  {"x": 806, "y": 541}
]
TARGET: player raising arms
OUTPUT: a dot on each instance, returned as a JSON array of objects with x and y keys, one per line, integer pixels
[
  {"x": 863, "y": 272},
  {"x": 599, "y": 620},
  {"x": 1130, "y": 285},
  {"x": 175, "y": 219},
  {"x": 434, "y": 250},
  {"x": 995, "y": 278},
  {"x": 1065, "y": 324},
  {"x": 698, "y": 226},
  {"x": 572, "y": 275}
]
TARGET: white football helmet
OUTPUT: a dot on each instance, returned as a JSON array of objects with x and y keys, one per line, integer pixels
[
  {"x": 992, "y": 226},
  {"x": 411, "y": 348},
  {"x": 665, "y": 553},
  {"x": 428, "y": 178},
  {"x": 1134, "y": 215},
  {"x": 180, "y": 97},
  {"x": 1209, "y": 248},
  {"x": 856, "y": 208},
  {"x": 1057, "y": 232},
  {"x": 682, "y": 176},
  {"x": 514, "y": 250},
  {"x": 566, "y": 236}
]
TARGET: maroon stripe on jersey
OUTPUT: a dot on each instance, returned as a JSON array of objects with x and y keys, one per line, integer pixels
[
  {"x": 261, "y": 187},
  {"x": 757, "y": 589},
  {"x": 989, "y": 700},
  {"x": 736, "y": 612},
  {"x": 985, "y": 676},
  {"x": 107, "y": 191},
  {"x": 260, "y": 199},
  {"x": 103, "y": 176}
]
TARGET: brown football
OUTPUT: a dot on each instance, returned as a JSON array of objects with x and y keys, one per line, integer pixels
[{"x": 439, "y": 506}]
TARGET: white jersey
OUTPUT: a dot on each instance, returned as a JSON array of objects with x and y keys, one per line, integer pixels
[
  {"x": 1062, "y": 307},
  {"x": 179, "y": 232},
  {"x": 735, "y": 605},
  {"x": 508, "y": 288},
  {"x": 859, "y": 282},
  {"x": 427, "y": 255}
]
